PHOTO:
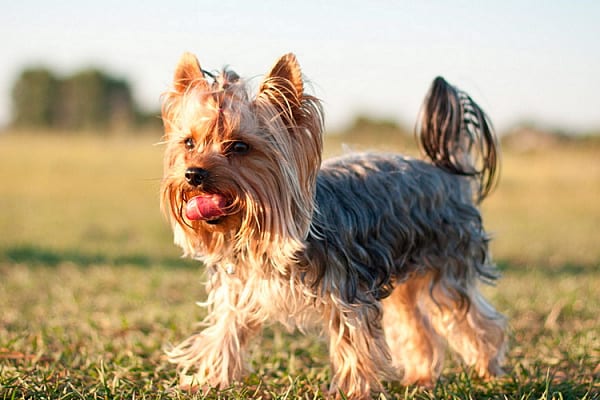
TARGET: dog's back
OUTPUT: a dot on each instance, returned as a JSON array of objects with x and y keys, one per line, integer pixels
[{"x": 387, "y": 216}]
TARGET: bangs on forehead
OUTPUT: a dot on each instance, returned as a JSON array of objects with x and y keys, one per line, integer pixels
[{"x": 220, "y": 110}]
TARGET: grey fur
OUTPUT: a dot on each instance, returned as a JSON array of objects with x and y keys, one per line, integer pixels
[{"x": 382, "y": 218}]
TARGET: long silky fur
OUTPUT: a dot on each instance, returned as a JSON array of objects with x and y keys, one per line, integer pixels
[
  {"x": 381, "y": 219},
  {"x": 383, "y": 252},
  {"x": 270, "y": 215},
  {"x": 458, "y": 136}
]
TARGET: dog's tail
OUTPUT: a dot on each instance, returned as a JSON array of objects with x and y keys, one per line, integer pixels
[{"x": 458, "y": 137}]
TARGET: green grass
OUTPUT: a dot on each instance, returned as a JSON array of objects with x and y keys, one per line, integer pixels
[{"x": 91, "y": 288}]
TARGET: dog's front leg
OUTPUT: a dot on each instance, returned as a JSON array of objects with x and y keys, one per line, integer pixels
[{"x": 215, "y": 356}]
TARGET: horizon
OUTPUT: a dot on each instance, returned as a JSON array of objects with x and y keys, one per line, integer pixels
[{"x": 521, "y": 62}]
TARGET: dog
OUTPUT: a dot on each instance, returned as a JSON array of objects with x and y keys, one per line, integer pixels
[{"x": 382, "y": 252}]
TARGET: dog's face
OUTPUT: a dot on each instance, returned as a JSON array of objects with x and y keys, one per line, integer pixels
[{"x": 239, "y": 171}]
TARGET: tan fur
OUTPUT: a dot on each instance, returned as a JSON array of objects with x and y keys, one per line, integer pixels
[
  {"x": 354, "y": 246},
  {"x": 417, "y": 350}
]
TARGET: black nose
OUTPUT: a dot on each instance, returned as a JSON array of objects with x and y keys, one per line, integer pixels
[{"x": 196, "y": 176}]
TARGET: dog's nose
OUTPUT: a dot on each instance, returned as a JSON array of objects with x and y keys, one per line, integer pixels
[{"x": 196, "y": 176}]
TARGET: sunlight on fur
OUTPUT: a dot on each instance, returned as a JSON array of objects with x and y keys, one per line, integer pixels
[{"x": 383, "y": 253}]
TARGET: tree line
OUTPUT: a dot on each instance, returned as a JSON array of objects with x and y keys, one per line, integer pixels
[
  {"x": 88, "y": 100},
  {"x": 93, "y": 100}
]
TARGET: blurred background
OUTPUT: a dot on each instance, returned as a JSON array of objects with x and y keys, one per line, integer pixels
[
  {"x": 80, "y": 98},
  {"x": 104, "y": 65}
]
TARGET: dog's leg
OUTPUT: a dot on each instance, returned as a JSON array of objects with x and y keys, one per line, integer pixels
[
  {"x": 416, "y": 349},
  {"x": 215, "y": 356},
  {"x": 358, "y": 350},
  {"x": 477, "y": 334}
]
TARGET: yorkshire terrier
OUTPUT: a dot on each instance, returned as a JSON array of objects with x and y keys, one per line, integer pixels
[{"x": 383, "y": 252}]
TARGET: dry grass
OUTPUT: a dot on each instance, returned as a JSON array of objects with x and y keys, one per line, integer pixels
[{"x": 91, "y": 288}]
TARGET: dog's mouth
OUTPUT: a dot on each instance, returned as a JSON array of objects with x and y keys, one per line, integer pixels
[{"x": 208, "y": 207}]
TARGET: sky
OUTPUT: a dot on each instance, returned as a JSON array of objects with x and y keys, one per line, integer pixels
[{"x": 522, "y": 61}]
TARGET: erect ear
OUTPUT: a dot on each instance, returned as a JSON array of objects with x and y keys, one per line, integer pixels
[
  {"x": 287, "y": 68},
  {"x": 283, "y": 86},
  {"x": 188, "y": 72}
]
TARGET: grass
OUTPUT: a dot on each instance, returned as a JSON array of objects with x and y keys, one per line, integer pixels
[{"x": 91, "y": 288}]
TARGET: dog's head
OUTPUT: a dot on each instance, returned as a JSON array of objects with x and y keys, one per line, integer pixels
[{"x": 240, "y": 170}]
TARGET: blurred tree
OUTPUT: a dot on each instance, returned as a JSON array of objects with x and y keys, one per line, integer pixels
[
  {"x": 378, "y": 133},
  {"x": 92, "y": 100},
  {"x": 88, "y": 100},
  {"x": 367, "y": 123},
  {"x": 33, "y": 98}
]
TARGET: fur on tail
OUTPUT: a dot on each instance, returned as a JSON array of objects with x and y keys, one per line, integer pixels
[{"x": 458, "y": 136}]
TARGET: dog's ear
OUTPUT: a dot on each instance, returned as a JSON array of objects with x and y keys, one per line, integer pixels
[
  {"x": 284, "y": 88},
  {"x": 287, "y": 69},
  {"x": 187, "y": 73}
]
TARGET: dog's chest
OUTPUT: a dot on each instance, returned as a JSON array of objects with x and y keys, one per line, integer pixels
[{"x": 289, "y": 302}]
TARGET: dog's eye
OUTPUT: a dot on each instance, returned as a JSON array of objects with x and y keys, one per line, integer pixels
[
  {"x": 238, "y": 147},
  {"x": 189, "y": 143}
]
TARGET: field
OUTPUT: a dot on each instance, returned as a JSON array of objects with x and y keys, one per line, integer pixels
[{"x": 91, "y": 288}]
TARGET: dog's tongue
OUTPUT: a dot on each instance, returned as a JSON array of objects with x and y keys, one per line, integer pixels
[{"x": 205, "y": 207}]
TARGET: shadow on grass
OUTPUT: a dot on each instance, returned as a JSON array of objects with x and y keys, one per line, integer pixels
[
  {"x": 33, "y": 255},
  {"x": 569, "y": 269}
]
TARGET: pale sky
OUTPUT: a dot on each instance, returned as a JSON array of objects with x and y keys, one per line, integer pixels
[{"x": 521, "y": 60}]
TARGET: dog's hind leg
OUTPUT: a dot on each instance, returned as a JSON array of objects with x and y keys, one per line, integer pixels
[
  {"x": 416, "y": 349},
  {"x": 478, "y": 333}
]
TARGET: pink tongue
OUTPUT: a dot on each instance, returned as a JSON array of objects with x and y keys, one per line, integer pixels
[{"x": 205, "y": 207}]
